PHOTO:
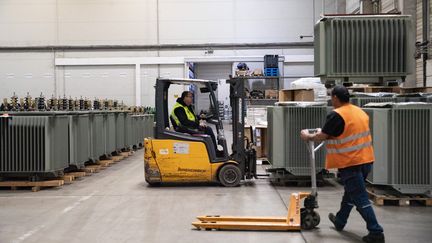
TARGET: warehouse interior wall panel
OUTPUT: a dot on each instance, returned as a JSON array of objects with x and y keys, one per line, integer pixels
[
  {"x": 135, "y": 22},
  {"x": 295, "y": 71},
  {"x": 234, "y": 21},
  {"x": 388, "y": 6},
  {"x": 106, "y": 53},
  {"x": 85, "y": 22},
  {"x": 110, "y": 82},
  {"x": 352, "y": 6},
  {"x": 149, "y": 74},
  {"x": 28, "y": 22},
  {"x": 198, "y": 22},
  {"x": 173, "y": 71},
  {"x": 132, "y": 22},
  {"x": 429, "y": 61},
  {"x": 26, "y": 72},
  {"x": 335, "y": 6},
  {"x": 419, "y": 38},
  {"x": 210, "y": 71},
  {"x": 408, "y": 7},
  {"x": 50, "y": 22}
]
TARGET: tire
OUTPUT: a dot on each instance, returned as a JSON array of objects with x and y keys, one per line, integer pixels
[
  {"x": 309, "y": 219},
  {"x": 230, "y": 175}
]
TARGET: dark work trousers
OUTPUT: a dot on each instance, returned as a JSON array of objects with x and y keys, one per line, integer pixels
[
  {"x": 355, "y": 194},
  {"x": 209, "y": 131},
  {"x": 205, "y": 130}
]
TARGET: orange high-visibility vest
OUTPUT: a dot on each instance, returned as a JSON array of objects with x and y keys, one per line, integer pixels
[{"x": 354, "y": 145}]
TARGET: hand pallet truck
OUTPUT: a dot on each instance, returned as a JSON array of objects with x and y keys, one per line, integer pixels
[{"x": 298, "y": 218}]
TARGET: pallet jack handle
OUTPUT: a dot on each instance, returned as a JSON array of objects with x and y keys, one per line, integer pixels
[{"x": 312, "y": 149}]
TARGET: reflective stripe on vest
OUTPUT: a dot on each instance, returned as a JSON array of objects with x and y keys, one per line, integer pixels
[
  {"x": 190, "y": 116},
  {"x": 349, "y": 138},
  {"x": 354, "y": 145},
  {"x": 348, "y": 149}
]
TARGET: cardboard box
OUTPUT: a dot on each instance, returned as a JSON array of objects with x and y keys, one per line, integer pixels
[
  {"x": 271, "y": 94},
  {"x": 241, "y": 73},
  {"x": 296, "y": 95},
  {"x": 260, "y": 140},
  {"x": 257, "y": 72}
]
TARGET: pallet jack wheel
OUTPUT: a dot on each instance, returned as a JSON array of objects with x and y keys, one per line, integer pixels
[
  {"x": 309, "y": 219},
  {"x": 229, "y": 175}
]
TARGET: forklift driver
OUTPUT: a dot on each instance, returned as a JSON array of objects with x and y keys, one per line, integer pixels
[{"x": 184, "y": 119}]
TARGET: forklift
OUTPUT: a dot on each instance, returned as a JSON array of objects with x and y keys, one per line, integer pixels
[{"x": 176, "y": 157}]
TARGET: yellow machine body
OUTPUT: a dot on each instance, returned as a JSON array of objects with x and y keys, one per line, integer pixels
[
  {"x": 292, "y": 222},
  {"x": 167, "y": 160}
]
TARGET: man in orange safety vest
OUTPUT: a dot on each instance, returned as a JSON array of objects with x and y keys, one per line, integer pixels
[{"x": 349, "y": 149}]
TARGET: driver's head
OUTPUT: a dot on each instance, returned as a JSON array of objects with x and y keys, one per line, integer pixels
[{"x": 187, "y": 97}]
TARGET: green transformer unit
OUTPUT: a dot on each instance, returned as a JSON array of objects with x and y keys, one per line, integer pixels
[
  {"x": 34, "y": 144},
  {"x": 288, "y": 154},
  {"x": 97, "y": 135},
  {"x": 364, "y": 48},
  {"x": 402, "y": 140},
  {"x": 79, "y": 138}
]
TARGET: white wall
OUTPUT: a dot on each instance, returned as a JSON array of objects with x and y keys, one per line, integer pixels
[
  {"x": 35, "y": 72},
  {"x": 104, "y": 82},
  {"x": 136, "y": 22},
  {"x": 352, "y": 5},
  {"x": 23, "y": 72},
  {"x": 85, "y": 22},
  {"x": 77, "y": 22}
]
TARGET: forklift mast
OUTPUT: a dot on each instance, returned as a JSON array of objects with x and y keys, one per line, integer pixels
[{"x": 243, "y": 153}]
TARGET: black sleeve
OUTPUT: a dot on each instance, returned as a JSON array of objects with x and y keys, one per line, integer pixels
[
  {"x": 334, "y": 125},
  {"x": 181, "y": 115}
]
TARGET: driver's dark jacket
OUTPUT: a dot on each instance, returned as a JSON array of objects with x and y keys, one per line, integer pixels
[{"x": 181, "y": 115}]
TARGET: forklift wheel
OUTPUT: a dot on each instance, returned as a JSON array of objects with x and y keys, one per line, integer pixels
[
  {"x": 229, "y": 175},
  {"x": 309, "y": 219}
]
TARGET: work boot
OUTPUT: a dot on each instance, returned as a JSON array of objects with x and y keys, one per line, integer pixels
[
  {"x": 374, "y": 238},
  {"x": 332, "y": 218}
]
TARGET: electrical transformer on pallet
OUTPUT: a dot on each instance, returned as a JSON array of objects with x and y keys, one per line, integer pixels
[{"x": 42, "y": 138}]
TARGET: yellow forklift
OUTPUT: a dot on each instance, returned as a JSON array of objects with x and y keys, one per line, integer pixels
[{"x": 174, "y": 157}]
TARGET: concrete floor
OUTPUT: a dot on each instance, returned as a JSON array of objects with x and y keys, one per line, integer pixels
[{"x": 116, "y": 205}]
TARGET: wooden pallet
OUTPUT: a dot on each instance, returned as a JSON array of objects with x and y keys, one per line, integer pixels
[
  {"x": 67, "y": 178},
  {"x": 72, "y": 176},
  {"x": 93, "y": 168},
  {"x": 382, "y": 198},
  {"x": 125, "y": 154},
  {"x": 35, "y": 185},
  {"x": 374, "y": 89},
  {"x": 106, "y": 162},
  {"x": 117, "y": 158},
  {"x": 78, "y": 174},
  {"x": 416, "y": 90}
]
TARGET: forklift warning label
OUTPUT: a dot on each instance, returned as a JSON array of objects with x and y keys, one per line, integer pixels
[
  {"x": 181, "y": 148},
  {"x": 163, "y": 151}
]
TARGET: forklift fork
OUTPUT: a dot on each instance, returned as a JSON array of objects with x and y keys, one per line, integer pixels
[
  {"x": 290, "y": 223},
  {"x": 298, "y": 218}
]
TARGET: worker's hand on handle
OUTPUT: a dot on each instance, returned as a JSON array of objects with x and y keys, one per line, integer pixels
[
  {"x": 307, "y": 134},
  {"x": 202, "y": 124}
]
